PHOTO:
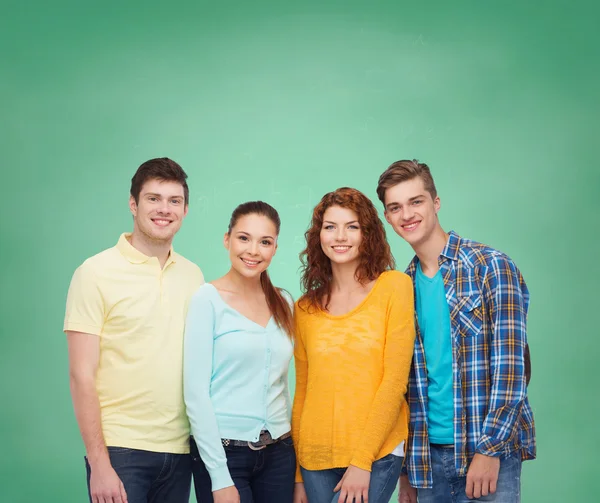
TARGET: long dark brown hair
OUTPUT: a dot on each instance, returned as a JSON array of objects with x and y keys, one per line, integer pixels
[
  {"x": 278, "y": 305},
  {"x": 374, "y": 251}
]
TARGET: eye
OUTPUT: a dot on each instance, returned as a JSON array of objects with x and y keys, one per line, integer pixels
[
  {"x": 394, "y": 209},
  {"x": 265, "y": 242},
  {"x": 328, "y": 227},
  {"x": 153, "y": 198},
  {"x": 418, "y": 201},
  {"x": 243, "y": 238},
  {"x": 353, "y": 226},
  {"x": 175, "y": 201}
]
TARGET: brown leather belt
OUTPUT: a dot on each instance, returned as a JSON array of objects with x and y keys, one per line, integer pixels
[{"x": 264, "y": 440}]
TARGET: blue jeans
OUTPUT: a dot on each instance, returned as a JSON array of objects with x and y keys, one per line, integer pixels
[
  {"x": 264, "y": 476},
  {"x": 319, "y": 484},
  {"x": 448, "y": 487},
  {"x": 150, "y": 477}
]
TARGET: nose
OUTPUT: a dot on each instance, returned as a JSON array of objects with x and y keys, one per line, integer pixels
[
  {"x": 407, "y": 213},
  {"x": 164, "y": 207},
  {"x": 340, "y": 235},
  {"x": 254, "y": 248}
]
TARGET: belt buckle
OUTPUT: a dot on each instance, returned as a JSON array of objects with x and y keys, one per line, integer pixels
[
  {"x": 263, "y": 441},
  {"x": 254, "y": 447}
]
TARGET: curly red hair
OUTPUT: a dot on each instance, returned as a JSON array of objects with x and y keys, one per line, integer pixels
[{"x": 375, "y": 254}]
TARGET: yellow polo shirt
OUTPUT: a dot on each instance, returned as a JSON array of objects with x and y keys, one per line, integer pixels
[{"x": 138, "y": 311}]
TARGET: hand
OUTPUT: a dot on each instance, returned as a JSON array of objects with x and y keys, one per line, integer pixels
[
  {"x": 407, "y": 493},
  {"x": 226, "y": 495},
  {"x": 482, "y": 476},
  {"x": 105, "y": 485},
  {"x": 354, "y": 485},
  {"x": 300, "y": 493}
]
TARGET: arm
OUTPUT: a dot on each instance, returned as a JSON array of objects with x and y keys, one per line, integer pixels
[
  {"x": 285, "y": 377},
  {"x": 301, "y": 366},
  {"x": 397, "y": 357},
  {"x": 84, "y": 354},
  {"x": 506, "y": 297},
  {"x": 85, "y": 310},
  {"x": 197, "y": 373}
]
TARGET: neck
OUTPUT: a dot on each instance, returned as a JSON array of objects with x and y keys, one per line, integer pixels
[
  {"x": 344, "y": 277},
  {"x": 429, "y": 251},
  {"x": 242, "y": 284},
  {"x": 151, "y": 248}
]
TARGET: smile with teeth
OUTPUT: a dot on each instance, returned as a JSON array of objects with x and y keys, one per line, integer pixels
[
  {"x": 341, "y": 248},
  {"x": 411, "y": 227},
  {"x": 161, "y": 221},
  {"x": 250, "y": 263}
]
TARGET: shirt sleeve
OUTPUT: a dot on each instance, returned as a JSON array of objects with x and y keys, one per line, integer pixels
[
  {"x": 506, "y": 298},
  {"x": 301, "y": 367},
  {"x": 397, "y": 357},
  {"x": 85, "y": 311},
  {"x": 197, "y": 373}
]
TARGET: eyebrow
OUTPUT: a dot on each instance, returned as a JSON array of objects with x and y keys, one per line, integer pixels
[
  {"x": 335, "y": 223},
  {"x": 160, "y": 195},
  {"x": 411, "y": 199},
  {"x": 247, "y": 234}
]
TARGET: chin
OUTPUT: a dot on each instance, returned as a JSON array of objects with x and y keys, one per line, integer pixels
[{"x": 348, "y": 260}]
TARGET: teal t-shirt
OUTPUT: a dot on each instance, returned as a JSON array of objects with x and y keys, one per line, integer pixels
[{"x": 434, "y": 323}]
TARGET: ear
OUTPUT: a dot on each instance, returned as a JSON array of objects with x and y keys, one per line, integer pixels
[
  {"x": 437, "y": 204},
  {"x": 185, "y": 210},
  {"x": 132, "y": 206},
  {"x": 276, "y": 245},
  {"x": 226, "y": 241},
  {"x": 387, "y": 217}
]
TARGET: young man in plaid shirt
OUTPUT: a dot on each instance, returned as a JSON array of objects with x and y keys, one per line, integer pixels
[{"x": 471, "y": 425}]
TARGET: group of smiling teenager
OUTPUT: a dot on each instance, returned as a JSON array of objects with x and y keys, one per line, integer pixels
[{"x": 418, "y": 377}]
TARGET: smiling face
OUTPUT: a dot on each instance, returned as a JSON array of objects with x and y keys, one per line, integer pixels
[
  {"x": 412, "y": 211},
  {"x": 341, "y": 235},
  {"x": 252, "y": 243},
  {"x": 159, "y": 211}
]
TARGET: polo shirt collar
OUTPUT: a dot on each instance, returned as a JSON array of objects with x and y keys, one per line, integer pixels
[{"x": 134, "y": 255}]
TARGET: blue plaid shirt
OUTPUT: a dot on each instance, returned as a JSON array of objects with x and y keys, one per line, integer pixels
[{"x": 488, "y": 302}]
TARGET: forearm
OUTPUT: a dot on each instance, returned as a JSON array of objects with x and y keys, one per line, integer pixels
[
  {"x": 506, "y": 299},
  {"x": 87, "y": 413},
  {"x": 391, "y": 394},
  {"x": 298, "y": 406}
]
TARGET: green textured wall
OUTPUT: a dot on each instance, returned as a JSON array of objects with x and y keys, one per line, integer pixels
[{"x": 284, "y": 102}]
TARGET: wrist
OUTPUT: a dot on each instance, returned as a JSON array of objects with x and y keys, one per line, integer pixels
[{"x": 99, "y": 460}]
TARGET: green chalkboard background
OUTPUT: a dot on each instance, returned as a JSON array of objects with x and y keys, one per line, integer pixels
[{"x": 284, "y": 101}]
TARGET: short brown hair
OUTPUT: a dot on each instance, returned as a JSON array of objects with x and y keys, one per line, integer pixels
[
  {"x": 161, "y": 168},
  {"x": 402, "y": 171}
]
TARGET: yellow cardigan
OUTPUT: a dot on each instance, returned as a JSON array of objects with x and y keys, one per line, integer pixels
[{"x": 351, "y": 377}]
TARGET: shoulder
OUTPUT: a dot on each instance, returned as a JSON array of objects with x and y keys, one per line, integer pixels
[
  {"x": 478, "y": 254},
  {"x": 302, "y": 307},
  {"x": 205, "y": 295},
  {"x": 490, "y": 264},
  {"x": 96, "y": 265},
  {"x": 187, "y": 266},
  {"x": 395, "y": 280},
  {"x": 287, "y": 296}
]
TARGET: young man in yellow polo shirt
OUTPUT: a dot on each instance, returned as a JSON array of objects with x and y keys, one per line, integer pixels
[{"x": 124, "y": 321}]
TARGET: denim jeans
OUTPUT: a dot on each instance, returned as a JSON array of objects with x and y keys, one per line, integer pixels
[
  {"x": 319, "y": 484},
  {"x": 150, "y": 477},
  {"x": 264, "y": 476},
  {"x": 448, "y": 487}
]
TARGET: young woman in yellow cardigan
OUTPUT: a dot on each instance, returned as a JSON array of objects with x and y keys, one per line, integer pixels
[{"x": 354, "y": 344}]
